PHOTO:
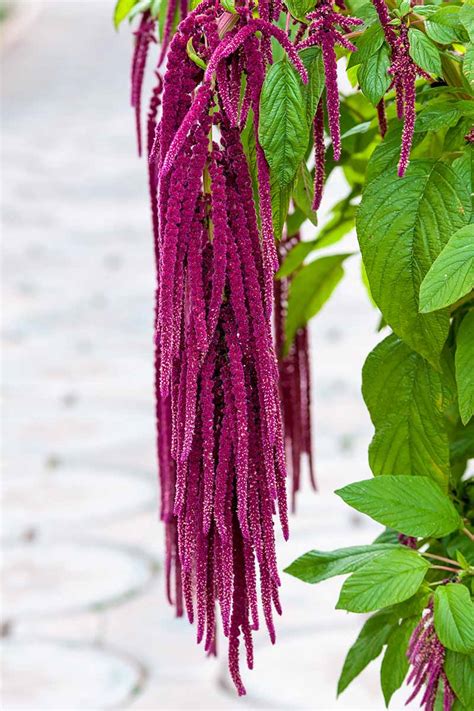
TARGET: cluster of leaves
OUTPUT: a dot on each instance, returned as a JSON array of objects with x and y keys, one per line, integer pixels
[
  {"x": 398, "y": 582},
  {"x": 416, "y": 236}
]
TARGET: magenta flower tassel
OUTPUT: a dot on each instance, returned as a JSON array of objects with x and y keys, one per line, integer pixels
[
  {"x": 143, "y": 38},
  {"x": 426, "y": 656},
  {"x": 319, "y": 156},
  {"x": 221, "y": 442},
  {"x": 295, "y": 385},
  {"x": 323, "y": 32},
  {"x": 404, "y": 72}
]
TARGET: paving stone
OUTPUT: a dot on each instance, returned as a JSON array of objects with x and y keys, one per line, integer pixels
[
  {"x": 44, "y": 579},
  {"x": 41, "y": 675},
  {"x": 67, "y": 498}
]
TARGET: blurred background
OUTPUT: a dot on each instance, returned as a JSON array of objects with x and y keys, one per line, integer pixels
[{"x": 84, "y": 621}]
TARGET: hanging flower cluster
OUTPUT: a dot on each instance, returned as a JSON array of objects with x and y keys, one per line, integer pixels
[
  {"x": 220, "y": 434},
  {"x": 144, "y": 37},
  {"x": 426, "y": 657},
  {"x": 404, "y": 72},
  {"x": 323, "y": 32},
  {"x": 295, "y": 383}
]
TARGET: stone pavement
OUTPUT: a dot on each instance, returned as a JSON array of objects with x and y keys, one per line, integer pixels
[{"x": 84, "y": 617}]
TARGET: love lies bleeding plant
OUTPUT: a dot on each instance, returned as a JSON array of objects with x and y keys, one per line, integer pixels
[{"x": 248, "y": 97}]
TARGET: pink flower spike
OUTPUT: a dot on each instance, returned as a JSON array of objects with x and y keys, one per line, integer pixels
[{"x": 230, "y": 46}]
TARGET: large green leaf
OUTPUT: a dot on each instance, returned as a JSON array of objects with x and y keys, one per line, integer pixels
[
  {"x": 451, "y": 275},
  {"x": 367, "y": 44},
  {"x": 372, "y": 75},
  {"x": 402, "y": 225},
  {"x": 424, "y": 52},
  {"x": 395, "y": 663},
  {"x": 413, "y": 505},
  {"x": 390, "y": 578},
  {"x": 283, "y": 129},
  {"x": 459, "y": 669},
  {"x": 315, "y": 566},
  {"x": 122, "y": 10},
  {"x": 454, "y": 617},
  {"x": 312, "y": 58},
  {"x": 303, "y": 192},
  {"x": 310, "y": 289},
  {"x": 468, "y": 64},
  {"x": 367, "y": 647},
  {"x": 464, "y": 360},
  {"x": 405, "y": 399}
]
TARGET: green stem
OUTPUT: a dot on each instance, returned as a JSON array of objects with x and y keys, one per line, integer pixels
[
  {"x": 442, "y": 558},
  {"x": 468, "y": 534}
]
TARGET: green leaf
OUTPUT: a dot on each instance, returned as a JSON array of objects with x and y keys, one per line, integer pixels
[
  {"x": 367, "y": 44},
  {"x": 436, "y": 115},
  {"x": 303, "y": 192},
  {"x": 459, "y": 542},
  {"x": 294, "y": 221},
  {"x": 413, "y": 606},
  {"x": 280, "y": 195},
  {"x": 373, "y": 77},
  {"x": 413, "y": 505},
  {"x": 315, "y": 566},
  {"x": 139, "y": 8},
  {"x": 367, "y": 647},
  {"x": 468, "y": 65},
  {"x": 310, "y": 289},
  {"x": 448, "y": 16},
  {"x": 466, "y": 15},
  {"x": 454, "y": 617},
  {"x": 283, "y": 130},
  {"x": 395, "y": 663},
  {"x": 193, "y": 56},
  {"x": 451, "y": 275},
  {"x": 300, "y": 8},
  {"x": 229, "y": 5},
  {"x": 424, "y": 52},
  {"x": 402, "y": 225},
  {"x": 390, "y": 578},
  {"x": 462, "y": 445},
  {"x": 312, "y": 58},
  {"x": 459, "y": 669},
  {"x": 464, "y": 360},
  {"x": 295, "y": 258},
  {"x": 387, "y": 153},
  {"x": 463, "y": 166},
  {"x": 441, "y": 33},
  {"x": 404, "y": 396},
  {"x": 122, "y": 10}
]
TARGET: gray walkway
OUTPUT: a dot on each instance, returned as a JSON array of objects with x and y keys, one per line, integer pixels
[{"x": 82, "y": 544}]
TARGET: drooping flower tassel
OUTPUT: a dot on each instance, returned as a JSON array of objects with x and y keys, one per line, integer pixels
[
  {"x": 382, "y": 117},
  {"x": 426, "y": 656},
  {"x": 404, "y": 72},
  {"x": 319, "y": 156},
  {"x": 221, "y": 441},
  {"x": 295, "y": 384},
  {"x": 143, "y": 38},
  {"x": 322, "y": 32}
]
